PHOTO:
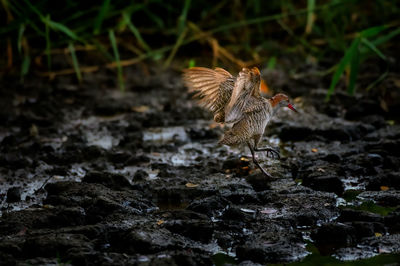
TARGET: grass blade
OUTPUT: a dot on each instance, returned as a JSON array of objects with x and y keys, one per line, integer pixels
[
  {"x": 354, "y": 67},
  {"x": 102, "y": 13},
  {"x": 178, "y": 43},
  {"x": 310, "y": 16},
  {"x": 26, "y": 62},
  {"x": 342, "y": 66},
  {"x": 135, "y": 32},
  {"x": 48, "y": 43},
  {"x": 113, "y": 41},
  {"x": 60, "y": 27},
  {"x": 373, "y": 48},
  {"x": 75, "y": 61},
  {"x": 183, "y": 16},
  {"x": 387, "y": 37},
  {"x": 20, "y": 36},
  {"x": 371, "y": 32}
]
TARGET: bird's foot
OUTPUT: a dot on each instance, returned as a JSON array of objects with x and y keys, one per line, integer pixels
[
  {"x": 271, "y": 152},
  {"x": 262, "y": 169}
]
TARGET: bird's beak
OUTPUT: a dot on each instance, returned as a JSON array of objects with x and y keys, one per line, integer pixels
[{"x": 292, "y": 107}]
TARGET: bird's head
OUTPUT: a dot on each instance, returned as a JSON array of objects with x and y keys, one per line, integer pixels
[{"x": 282, "y": 100}]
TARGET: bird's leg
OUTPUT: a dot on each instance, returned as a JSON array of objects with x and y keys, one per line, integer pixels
[
  {"x": 270, "y": 151},
  {"x": 256, "y": 162}
]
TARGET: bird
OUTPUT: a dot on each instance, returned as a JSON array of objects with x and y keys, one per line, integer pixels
[{"x": 237, "y": 101}]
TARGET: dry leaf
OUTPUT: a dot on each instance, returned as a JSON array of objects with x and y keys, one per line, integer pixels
[
  {"x": 314, "y": 150},
  {"x": 384, "y": 188},
  {"x": 191, "y": 185},
  {"x": 141, "y": 108},
  {"x": 378, "y": 234},
  {"x": 247, "y": 210},
  {"x": 160, "y": 222},
  {"x": 268, "y": 211},
  {"x": 244, "y": 159}
]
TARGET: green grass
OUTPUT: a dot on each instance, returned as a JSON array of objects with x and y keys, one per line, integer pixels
[{"x": 158, "y": 30}]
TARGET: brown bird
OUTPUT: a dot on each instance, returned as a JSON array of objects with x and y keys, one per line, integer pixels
[{"x": 237, "y": 101}]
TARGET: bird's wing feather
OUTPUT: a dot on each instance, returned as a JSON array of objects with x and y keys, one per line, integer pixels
[
  {"x": 245, "y": 94},
  {"x": 210, "y": 85}
]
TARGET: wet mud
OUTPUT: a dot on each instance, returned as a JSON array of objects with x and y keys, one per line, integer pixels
[{"x": 94, "y": 176}]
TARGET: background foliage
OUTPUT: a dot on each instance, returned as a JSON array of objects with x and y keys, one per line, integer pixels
[{"x": 339, "y": 35}]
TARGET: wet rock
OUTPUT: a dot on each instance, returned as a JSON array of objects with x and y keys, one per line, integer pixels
[
  {"x": 107, "y": 107},
  {"x": 195, "y": 229},
  {"x": 329, "y": 183},
  {"x": 97, "y": 200},
  {"x": 92, "y": 152},
  {"x": 140, "y": 175},
  {"x": 239, "y": 193},
  {"x": 367, "y": 229},
  {"x": 20, "y": 222},
  {"x": 13, "y": 194},
  {"x": 390, "y": 180},
  {"x": 363, "y": 108},
  {"x": 334, "y": 235},
  {"x": 332, "y": 158},
  {"x": 110, "y": 180},
  {"x": 392, "y": 220},
  {"x": 295, "y": 133},
  {"x": 237, "y": 165},
  {"x": 202, "y": 133},
  {"x": 263, "y": 248},
  {"x": 54, "y": 244},
  {"x": 383, "y": 198},
  {"x": 146, "y": 241},
  {"x": 119, "y": 157},
  {"x": 383, "y": 244},
  {"x": 212, "y": 206},
  {"x": 134, "y": 160},
  {"x": 348, "y": 215},
  {"x": 259, "y": 182}
]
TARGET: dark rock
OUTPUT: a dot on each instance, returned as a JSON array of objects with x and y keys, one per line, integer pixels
[
  {"x": 392, "y": 220},
  {"x": 332, "y": 158},
  {"x": 383, "y": 198},
  {"x": 329, "y": 183},
  {"x": 390, "y": 180},
  {"x": 140, "y": 175},
  {"x": 348, "y": 215},
  {"x": 295, "y": 133},
  {"x": 334, "y": 235},
  {"x": 211, "y": 206},
  {"x": 54, "y": 244},
  {"x": 119, "y": 157},
  {"x": 259, "y": 182},
  {"x": 202, "y": 133},
  {"x": 92, "y": 152},
  {"x": 13, "y": 194},
  {"x": 115, "y": 181},
  {"x": 198, "y": 230},
  {"x": 266, "y": 249}
]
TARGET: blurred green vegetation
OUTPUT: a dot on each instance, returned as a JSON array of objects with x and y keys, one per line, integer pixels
[{"x": 338, "y": 34}]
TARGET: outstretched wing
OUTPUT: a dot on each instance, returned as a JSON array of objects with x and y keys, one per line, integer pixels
[
  {"x": 212, "y": 87},
  {"x": 245, "y": 94}
]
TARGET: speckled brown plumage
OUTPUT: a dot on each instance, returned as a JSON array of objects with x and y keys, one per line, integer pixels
[{"x": 237, "y": 101}]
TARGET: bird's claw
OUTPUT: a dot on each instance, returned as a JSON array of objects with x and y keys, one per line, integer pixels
[{"x": 272, "y": 153}]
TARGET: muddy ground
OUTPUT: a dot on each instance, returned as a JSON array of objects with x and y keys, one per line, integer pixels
[{"x": 94, "y": 176}]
